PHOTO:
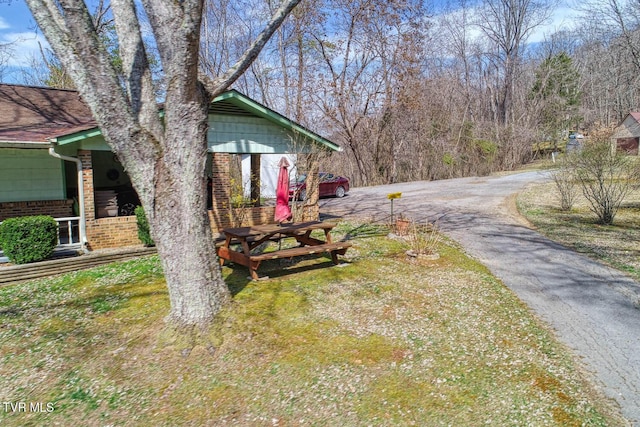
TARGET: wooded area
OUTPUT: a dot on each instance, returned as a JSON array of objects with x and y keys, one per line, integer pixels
[{"x": 416, "y": 92}]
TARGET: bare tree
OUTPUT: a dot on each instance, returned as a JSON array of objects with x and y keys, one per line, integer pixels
[
  {"x": 508, "y": 24},
  {"x": 46, "y": 70},
  {"x": 362, "y": 58},
  {"x": 609, "y": 58},
  {"x": 6, "y": 50},
  {"x": 605, "y": 176},
  {"x": 165, "y": 157}
]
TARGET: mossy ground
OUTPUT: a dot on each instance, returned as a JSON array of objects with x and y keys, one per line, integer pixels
[{"x": 378, "y": 341}]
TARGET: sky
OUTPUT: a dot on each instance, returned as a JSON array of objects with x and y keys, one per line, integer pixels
[{"x": 17, "y": 25}]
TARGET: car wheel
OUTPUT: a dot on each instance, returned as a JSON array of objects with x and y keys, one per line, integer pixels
[
  {"x": 340, "y": 191},
  {"x": 303, "y": 195}
]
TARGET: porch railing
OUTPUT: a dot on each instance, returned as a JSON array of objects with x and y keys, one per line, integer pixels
[{"x": 68, "y": 231}]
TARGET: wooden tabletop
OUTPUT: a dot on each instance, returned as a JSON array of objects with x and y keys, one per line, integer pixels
[{"x": 269, "y": 229}]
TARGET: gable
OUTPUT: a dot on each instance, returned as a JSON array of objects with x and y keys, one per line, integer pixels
[
  {"x": 248, "y": 134},
  {"x": 237, "y": 124},
  {"x": 630, "y": 127}
]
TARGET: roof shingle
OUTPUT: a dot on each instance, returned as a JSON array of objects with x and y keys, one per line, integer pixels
[{"x": 36, "y": 114}]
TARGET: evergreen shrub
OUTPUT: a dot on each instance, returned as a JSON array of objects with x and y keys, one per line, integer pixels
[
  {"x": 29, "y": 238},
  {"x": 144, "y": 233}
]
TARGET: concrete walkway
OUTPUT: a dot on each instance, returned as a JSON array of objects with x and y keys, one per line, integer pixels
[{"x": 594, "y": 309}]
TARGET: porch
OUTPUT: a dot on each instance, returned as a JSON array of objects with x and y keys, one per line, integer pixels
[{"x": 75, "y": 176}]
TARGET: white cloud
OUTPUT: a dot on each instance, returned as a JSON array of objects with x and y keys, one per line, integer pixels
[
  {"x": 3, "y": 24},
  {"x": 563, "y": 18},
  {"x": 24, "y": 47}
]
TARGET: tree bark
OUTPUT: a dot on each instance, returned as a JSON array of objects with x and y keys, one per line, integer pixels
[{"x": 165, "y": 158}]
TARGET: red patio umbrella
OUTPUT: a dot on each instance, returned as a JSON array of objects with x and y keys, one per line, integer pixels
[{"x": 283, "y": 212}]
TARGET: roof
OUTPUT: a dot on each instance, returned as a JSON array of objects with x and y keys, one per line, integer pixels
[
  {"x": 235, "y": 103},
  {"x": 636, "y": 116},
  {"x": 30, "y": 114},
  {"x": 37, "y": 115}
]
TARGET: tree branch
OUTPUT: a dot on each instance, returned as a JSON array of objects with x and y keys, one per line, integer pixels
[
  {"x": 137, "y": 73},
  {"x": 222, "y": 83}
]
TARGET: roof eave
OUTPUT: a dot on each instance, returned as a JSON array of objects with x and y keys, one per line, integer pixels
[
  {"x": 24, "y": 144},
  {"x": 275, "y": 117},
  {"x": 247, "y": 103},
  {"x": 77, "y": 136}
]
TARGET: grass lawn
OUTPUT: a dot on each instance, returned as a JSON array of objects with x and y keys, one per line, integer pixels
[
  {"x": 617, "y": 245},
  {"x": 381, "y": 341}
]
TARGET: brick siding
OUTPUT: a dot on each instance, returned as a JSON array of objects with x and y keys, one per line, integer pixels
[
  {"x": 55, "y": 208},
  {"x": 87, "y": 180},
  {"x": 112, "y": 232},
  {"x": 242, "y": 217}
]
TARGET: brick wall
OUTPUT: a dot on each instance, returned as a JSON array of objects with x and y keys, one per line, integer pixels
[
  {"x": 122, "y": 231},
  {"x": 104, "y": 233},
  {"x": 242, "y": 217},
  {"x": 310, "y": 212},
  {"x": 87, "y": 184},
  {"x": 222, "y": 215},
  {"x": 55, "y": 208},
  {"x": 113, "y": 232},
  {"x": 220, "y": 187}
]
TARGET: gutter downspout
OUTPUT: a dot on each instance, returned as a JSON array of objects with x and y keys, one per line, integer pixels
[{"x": 78, "y": 162}]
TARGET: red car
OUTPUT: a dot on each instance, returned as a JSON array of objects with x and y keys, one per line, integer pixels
[{"x": 330, "y": 185}]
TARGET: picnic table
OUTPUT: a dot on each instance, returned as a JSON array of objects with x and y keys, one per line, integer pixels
[{"x": 251, "y": 237}]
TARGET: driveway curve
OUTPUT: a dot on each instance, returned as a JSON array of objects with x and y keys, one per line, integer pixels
[{"x": 594, "y": 309}]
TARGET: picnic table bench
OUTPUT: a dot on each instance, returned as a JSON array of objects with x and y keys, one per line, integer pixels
[{"x": 251, "y": 237}]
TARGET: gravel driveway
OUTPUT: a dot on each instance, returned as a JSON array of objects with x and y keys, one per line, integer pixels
[{"x": 594, "y": 309}]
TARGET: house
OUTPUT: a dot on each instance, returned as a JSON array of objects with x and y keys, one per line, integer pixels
[
  {"x": 54, "y": 161},
  {"x": 626, "y": 136}
]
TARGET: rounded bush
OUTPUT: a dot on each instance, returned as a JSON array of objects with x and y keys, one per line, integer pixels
[
  {"x": 28, "y": 238},
  {"x": 143, "y": 227}
]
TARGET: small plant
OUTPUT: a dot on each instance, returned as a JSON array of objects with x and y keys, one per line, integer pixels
[
  {"x": 565, "y": 179},
  {"x": 605, "y": 176},
  {"x": 240, "y": 206},
  {"x": 423, "y": 239},
  {"x": 144, "y": 233},
  {"x": 29, "y": 238}
]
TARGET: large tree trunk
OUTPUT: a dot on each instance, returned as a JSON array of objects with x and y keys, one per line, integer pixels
[
  {"x": 186, "y": 248},
  {"x": 178, "y": 215},
  {"x": 165, "y": 158},
  {"x": 173, "y": 191}
]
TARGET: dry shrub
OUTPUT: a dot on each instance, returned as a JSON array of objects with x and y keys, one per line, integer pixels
[
  {"x": 565, "y": 180},
  {"x": 605, "y": 176},
  {"x": 423, "y": 239}
]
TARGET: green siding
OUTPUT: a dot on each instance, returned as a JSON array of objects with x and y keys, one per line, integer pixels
[
  {"x": 95, "y": 143},
  {"x": 237, "y": 124},
  {"x": 30, "y": 175},
  {"x": 244, "y": 134}
]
